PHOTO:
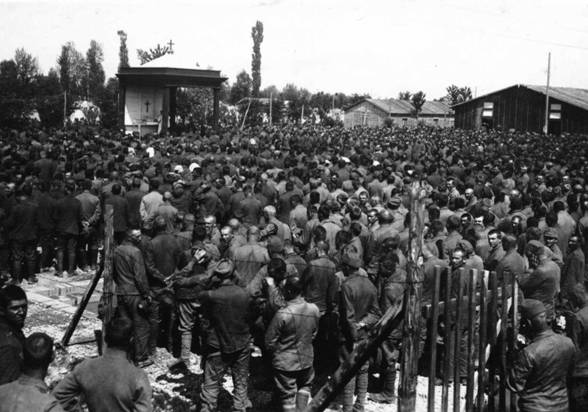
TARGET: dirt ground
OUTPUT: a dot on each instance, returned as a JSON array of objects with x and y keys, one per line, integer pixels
[{"x": 176, "y": 392}]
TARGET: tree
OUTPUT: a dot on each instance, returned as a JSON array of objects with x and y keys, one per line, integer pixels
[
  {"x": 354, "y": 98},
  {"x": 96, "y": 75},
  {"x": 73, "y": 71},
  {"x": 257, "y": 36},
  {"x": 457, "y": 94},
  {"x": 107, "y": 101},
  {"x": 295, "y": 99},
  {"x": 193, "y": 106},
  {"x": 64, "y": 68},
  {"x": 123, "y": 51},
  {"x": 270, "y": 90},
  {"x": 13, "y": 106},
  {"x": 418, "y": 100},
  {"x": 152, "y": 54},
  {"x": 50, "y": 100},
  {"x": 404, "y": 95},
  {"x": 241, "y": 88},
  {"x": 27, "y": 66}
]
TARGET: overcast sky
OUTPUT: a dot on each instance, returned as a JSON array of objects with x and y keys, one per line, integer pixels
[{"x": 378, "y": 47}]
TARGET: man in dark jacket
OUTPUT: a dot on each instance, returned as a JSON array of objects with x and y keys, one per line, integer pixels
[
  {"x": 496, "y": 251},
  {"x": 132, "y": 288},
  {"x": 168, "y": 257},
  {"x": 391, "y": 284},
  {"x": 543, "y": 281},
  {"x": 68, "y": 220},
  {"x": 46, "y": 224},
  {"x": 359, "y": 312},
  {"x": 134, "y": 197},
  {"x": 578, "y": 381},
  {"x": 540, "y": 370},
  {"x": 512, "y": 265},
  {"x": 227, "y": 339},
  {"x": 573, "y": 272},
  {"x": 22, "y": 226},
  {"x": 13, "y": 312},
  {"x": 120, "y": 208},
  {"x": 289, "y": 339},
  {"x": 157, "y": 288},
  {"x": 88, "y": 240}
]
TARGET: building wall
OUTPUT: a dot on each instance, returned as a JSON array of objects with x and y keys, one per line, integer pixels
[
  {"x": 411, "y": 121},
  {"x": 366, "y": 114},
  {"x": 521, "y": 109},
  {"x": 137, "y": 112}
]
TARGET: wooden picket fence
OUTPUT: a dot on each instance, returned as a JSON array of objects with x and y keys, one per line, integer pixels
[
  {"x": 491, "y": 307},
  {"x": 491, "y": 326}
]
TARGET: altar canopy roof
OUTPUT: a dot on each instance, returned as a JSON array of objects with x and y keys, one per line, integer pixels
[{"x": 171, "y": 70}]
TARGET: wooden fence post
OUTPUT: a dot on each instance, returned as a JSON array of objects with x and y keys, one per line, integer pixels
[
  {"x": 108, "y": 286},
  {"x": 413, "y": 299},
  {"x": 108, "y": 289}
]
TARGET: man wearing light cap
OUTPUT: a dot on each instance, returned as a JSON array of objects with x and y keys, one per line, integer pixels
[{"x": 540, "y": 370}]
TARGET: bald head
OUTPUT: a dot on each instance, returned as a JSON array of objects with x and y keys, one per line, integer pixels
[{"x": 270, "y": 211}]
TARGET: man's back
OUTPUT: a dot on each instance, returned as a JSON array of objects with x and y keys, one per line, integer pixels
[
  {"x": 229, "y": 310},
  {"x": 539, "y": 373},
  {"x": 134, "y": 198},
  {"x": 251, "y": 210},
  {"x": 120, "y": 207},
  {"x": 542, "y": 285},
  {"x": 88, "y": 203},
  {"x": 320, "y": 284},
  {"x": 22, "y": 222},
  {"x": 167, "y": 253},
  {"x": 129, "y": 269},
  {"x": 27, "y": 394},
  {"x": 249, "y": 259},
  {"x": 109, "y": 383},
  {"x": 68, "y": 215}
]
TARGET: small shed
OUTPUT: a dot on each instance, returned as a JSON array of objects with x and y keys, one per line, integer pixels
[
  {"x": 147, "y": 98},
  {"x": 375, "y": 112},
  {"x": 522, "y": 107}
]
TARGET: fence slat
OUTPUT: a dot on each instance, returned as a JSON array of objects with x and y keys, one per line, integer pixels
[
  {"x": 503, "y": 341},
  {"x": 433, "y": 340},
  {"x": 492, "y": 338},
  {"x": 482, "y": 341},
  {"x": 471, "y": 352},
  {"x": 457, "y": 343},
  {"x": 446, "y": 346},
  {"x": 515, "y": 332}
]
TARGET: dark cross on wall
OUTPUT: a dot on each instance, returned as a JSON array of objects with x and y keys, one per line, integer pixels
[
  {"x": 171, "y": 45},
  {"x": 147, "y": 106}
]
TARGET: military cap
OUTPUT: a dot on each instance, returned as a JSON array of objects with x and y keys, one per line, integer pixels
[{"x": 531, "y": 308}]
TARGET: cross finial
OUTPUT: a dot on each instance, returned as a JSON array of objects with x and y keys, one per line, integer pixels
[
  {"x": 171, "y": 45},
  {"x": 147, "y": 106}
]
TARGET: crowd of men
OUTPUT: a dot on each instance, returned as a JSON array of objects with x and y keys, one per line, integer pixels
[{"x": 288, "y": 242}]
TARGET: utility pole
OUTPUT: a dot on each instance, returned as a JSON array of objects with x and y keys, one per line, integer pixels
[
  {"x": 270, "y": 109},
  {"x": 546, "y": 127},
  {"x": 64, "y": 108}
]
